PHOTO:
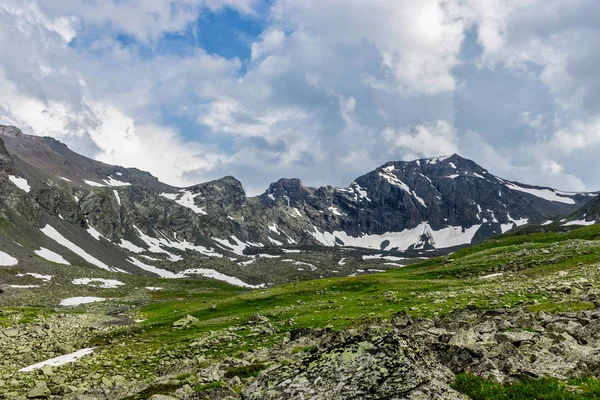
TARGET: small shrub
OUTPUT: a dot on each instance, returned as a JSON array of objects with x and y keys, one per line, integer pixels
[
  {"x": 245, "y": 371},
  {"x": 208, "y": 386}
]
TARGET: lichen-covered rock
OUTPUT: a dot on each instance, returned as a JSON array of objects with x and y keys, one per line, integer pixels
[
  {"x": 371, "y": 364},
  {"x": 40, "y": 390},
  {"x": 185, "y": 322}
]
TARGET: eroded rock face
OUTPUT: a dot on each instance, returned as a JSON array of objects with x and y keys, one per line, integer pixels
[
  {"x": 418, "y": 358},
  {"x": 5, "y": 157},
  {"x": 372, "y": 364}
]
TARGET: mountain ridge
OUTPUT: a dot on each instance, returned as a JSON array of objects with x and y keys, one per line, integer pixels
[{"x": 128, "y": 220}]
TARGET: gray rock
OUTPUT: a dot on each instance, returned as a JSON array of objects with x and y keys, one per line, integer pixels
[
  {"x": 40, "y": 390},
  {"x": 516, "y": 337},
  {"x": 185, "y": 322}
]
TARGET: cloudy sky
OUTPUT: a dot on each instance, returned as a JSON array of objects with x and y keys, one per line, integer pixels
[{"x": 323, "y": 90}]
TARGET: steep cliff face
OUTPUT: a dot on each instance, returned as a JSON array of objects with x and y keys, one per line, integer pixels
[
  {"x": 121, "y": 215},
  {"x": 5, "y": 157}
]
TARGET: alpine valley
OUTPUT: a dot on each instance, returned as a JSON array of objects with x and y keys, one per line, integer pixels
[{"x": 424, "y": 279}]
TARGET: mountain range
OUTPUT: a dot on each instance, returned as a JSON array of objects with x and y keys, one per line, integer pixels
[
  {"x": 59, "y": 206},
  {"x": 409, "y": 306}
]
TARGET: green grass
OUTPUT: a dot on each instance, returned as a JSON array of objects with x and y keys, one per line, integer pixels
[
  {"x": 564, "y": 306},
  {"x": 208, "y": 386},
  {"x": 245, "y": 371},
  {"x": 478, "y": 388},
  {"x": 420, "y": 289},
  {"x": 432, "y": 287}
]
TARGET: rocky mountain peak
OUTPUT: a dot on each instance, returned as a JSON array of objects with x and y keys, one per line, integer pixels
[
  {"x": 9, "y": 130},
  {"x": 289, "y": 190}
]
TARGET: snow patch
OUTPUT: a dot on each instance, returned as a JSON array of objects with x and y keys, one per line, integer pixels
[
  {"x": 186, "y": 199},
  {"x": 75, "y": 301},
  {"x": 273, "y": 228},
  {"x": 60, "y": 239},
  {"x": 114, "y": 182},
  {"x": 546, "y": 194},
  {"x": 207, "y": 273},
  {"x": 211, "y": 273},
  {"x": 381, "y": 257},
  {"x": 7, "y": 260},
  {"x": 150, "y": 268},
  {"x": 117, "y": 197},
  {"x": 393, "y": 179},
  {"x": 98, "y": 282},
  {"x": 268, "y": 256},
  {"x": 579, "y": 222},
  {"x": 46, "y": 278},
  {"x": 506, "y": 227},
  {"x": 446, "y": 237},
  {"x": 334, "y": 210},
  {"x": 21, "y": 183},
  {"x": 435, "y": 160},
  {"x": 237, "y": 247},
  {"x": 359, "y": 192},
  {"x": 275, "y": 242},
  {"x": 24, "y": 286},
  {"x": 51, "y": 256},
  {"x": 95, "y": 234},
  {"x": 126, "y": 244},
  {"x": 518, "y": 222},
  {"x": 57, "y": 361},
  {"x": 92, "y": 183},
  {"x": 183, "y": 245},
  {"x": 420, "y": 200},
  {"x": 491, "y": 275}
]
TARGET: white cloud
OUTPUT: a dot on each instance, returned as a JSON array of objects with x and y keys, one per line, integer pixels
[
  {"x": 552, "y": 167},
  {"x": 270, "y": 41},
  {"x": 423, "y": 140},
  {"x": 419, "y": 42},
  {"x": 145, "y": 20},
  {"x": 28, "y": 16},
  {"x": 529, "y": 162},
  {"x": 560, "y": 37},
  {"x": 229, "y": 116},
  {"x": 149, "y": 147},
  {"x": 331, "y": 88},
  {"x": 577, "y": 135}
]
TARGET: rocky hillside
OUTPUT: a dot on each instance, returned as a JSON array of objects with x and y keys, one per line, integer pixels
[
  {"x": 586, "y": 215},
  {"x": 56, "y": 205},
  {"x": 513, "y": 318}
]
